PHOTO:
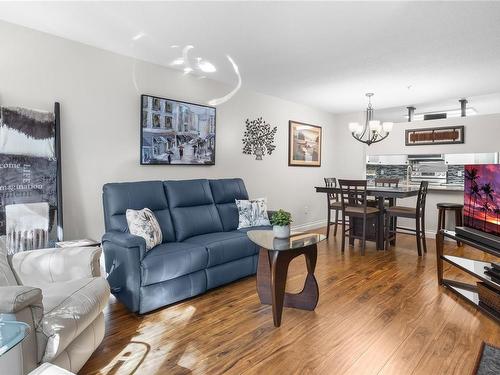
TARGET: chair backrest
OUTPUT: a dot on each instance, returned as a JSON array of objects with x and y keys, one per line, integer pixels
[
  {"x": 422, "y": 196},
  {"x": 353, "y": 193},
  {"x": 331, "y": 182},
  {"x": 390, "y": 182}
]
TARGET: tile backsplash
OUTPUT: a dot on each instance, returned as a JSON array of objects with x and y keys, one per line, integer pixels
[{"x": 455, "y": 173}]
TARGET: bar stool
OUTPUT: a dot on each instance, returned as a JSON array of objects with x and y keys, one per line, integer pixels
[{"x": 442, "y": 208}]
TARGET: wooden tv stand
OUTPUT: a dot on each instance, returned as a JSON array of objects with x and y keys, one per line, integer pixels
[{"x": 470, "y": 266}]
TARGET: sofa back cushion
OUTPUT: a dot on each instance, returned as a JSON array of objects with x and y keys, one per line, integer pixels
[
  {"x": 225, "y": 193},
  {"x": 192, "y": 208},
  {"x": 118, "y": 197}
]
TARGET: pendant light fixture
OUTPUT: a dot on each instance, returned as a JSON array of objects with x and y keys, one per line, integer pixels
[{"x": 372, "y": 131}]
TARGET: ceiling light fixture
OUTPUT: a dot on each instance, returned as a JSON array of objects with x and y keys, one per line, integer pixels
[
  {"x": 206, "y": 66},
  {"x": 178, "y": 61},
  {"x": 372, "y": 131}
]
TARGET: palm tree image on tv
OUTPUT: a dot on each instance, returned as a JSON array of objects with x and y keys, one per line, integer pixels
[{"x": 482, "y": 197}]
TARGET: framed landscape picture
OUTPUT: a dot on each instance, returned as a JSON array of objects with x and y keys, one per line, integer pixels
[
  {"x": 304, "y": 144},
  {"x": 176, "y": 133}
]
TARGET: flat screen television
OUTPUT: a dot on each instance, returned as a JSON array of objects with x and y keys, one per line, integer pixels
[{"x": 482, "y": 204}]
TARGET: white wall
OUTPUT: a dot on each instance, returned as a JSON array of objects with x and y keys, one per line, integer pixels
[
  {"x": 100, "y": 126},
  {"x": 482, "y": 134}
]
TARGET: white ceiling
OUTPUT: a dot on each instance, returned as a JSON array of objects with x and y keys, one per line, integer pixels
[{"x": 325, "y": 54}]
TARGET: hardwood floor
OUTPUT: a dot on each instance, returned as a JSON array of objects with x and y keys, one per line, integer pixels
[{"x": 379, "y": 314}]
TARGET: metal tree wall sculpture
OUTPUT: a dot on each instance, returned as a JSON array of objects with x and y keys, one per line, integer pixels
[{"x": 258, "y": 138}]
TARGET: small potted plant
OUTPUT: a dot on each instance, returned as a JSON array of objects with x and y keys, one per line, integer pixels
[{"x": 280, "y": 220}]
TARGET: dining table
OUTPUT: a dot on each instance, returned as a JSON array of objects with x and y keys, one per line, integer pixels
[{"x": 381, "y": 194}]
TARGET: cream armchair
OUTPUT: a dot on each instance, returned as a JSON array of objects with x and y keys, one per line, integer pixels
[{"x": 60, "y": 294}]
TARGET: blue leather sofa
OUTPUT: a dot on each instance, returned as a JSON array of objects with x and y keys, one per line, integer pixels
[{"x": 202, "y": 247}]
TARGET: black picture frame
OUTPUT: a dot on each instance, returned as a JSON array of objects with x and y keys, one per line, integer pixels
[
  {"x": 59, "y": 190},
  {"x": 173, "y": 142},
  {"x": 459, "y": 140}
]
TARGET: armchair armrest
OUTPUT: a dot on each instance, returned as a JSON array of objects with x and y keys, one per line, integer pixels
[
  {"x": 15, "y": 298},
  {"x": 56, "y": 265}
]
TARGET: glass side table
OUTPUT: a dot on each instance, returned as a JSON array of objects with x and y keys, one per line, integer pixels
[
  {"x": 12, "y": 333},
  {"x": 274, "y": 257}
]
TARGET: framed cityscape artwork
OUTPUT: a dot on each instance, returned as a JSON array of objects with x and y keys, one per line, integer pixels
[
  {"x": 304, "y": 144},
  {"x": 176, "y": 133}
]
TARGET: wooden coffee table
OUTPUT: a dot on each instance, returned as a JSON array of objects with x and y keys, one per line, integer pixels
[{"x": 274, "y": 257}]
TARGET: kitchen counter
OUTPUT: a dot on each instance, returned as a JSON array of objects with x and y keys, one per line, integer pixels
[{"x": 445, "y": 187}]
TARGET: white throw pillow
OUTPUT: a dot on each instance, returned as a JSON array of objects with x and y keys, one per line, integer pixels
[
  {"x": 143, "y": 223},
  {"x": 252, "y": 213}
]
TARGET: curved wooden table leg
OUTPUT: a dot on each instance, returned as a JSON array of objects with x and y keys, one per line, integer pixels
[
  {"x": 264, "y": 277},
  {"x": 307, "y": 299},
  {"x": 271, "y": 281},
  {"x": 279, "y": 270}
]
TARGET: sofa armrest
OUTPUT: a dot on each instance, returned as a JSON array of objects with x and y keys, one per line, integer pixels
[
  {"x": 126, "y": 240},
  {"x": 123, "y": 253},
  {"x": 15, "y": 298},
  {"x": 56, "y": 265}
]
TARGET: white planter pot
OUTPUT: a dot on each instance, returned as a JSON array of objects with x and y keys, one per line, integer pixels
[{"x": 281, "y": 231}]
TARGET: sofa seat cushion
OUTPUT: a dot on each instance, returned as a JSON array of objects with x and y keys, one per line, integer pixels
[
  {"x": 225, "y": 247},
  {"x": 69, "y": 308},
  {"x": 170, "y": 260}
]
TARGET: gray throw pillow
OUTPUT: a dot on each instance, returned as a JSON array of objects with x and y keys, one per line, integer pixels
[
  {"x": 252, "y": 213},
  {"x": 143, "y": 223}
]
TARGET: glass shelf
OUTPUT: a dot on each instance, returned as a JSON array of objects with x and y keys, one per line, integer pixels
[
  {"x": 473, "y": 267},
  {"x": 468, "y": 292}
]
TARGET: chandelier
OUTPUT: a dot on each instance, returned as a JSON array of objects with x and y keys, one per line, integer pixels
[{"x": 372, "y": 131}]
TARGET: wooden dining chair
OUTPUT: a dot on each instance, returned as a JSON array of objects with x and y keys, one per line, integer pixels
[
  {"x": 333, "y": 204},
  {"x": 389, "y": 182},
  {"x": 417, "y": 213},
  {"x": 354, "y": 205},
  {"x": 386, "y": 182}
]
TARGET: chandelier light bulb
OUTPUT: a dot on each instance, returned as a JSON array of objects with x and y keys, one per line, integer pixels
[
  {"x": 375, "y": 126},
  {"x": 387, "y": 126},
  {"x": 354, "y": 127}
]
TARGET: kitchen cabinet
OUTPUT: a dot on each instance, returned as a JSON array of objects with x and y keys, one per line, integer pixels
[{"x": 471, "y": 158}]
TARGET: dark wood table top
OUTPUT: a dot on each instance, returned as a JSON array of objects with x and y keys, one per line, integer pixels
[{"x": 378, "y": 191}]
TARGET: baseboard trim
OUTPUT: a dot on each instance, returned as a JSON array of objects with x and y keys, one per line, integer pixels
[
  {"x": 309, "y": 226},
  {"x": 322, "y": 224}
]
